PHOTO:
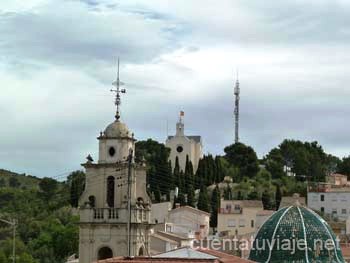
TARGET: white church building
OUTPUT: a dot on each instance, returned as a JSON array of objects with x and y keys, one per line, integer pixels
[{"x": 182, "y": 145}]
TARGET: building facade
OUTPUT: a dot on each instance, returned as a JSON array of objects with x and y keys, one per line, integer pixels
[
  {"x": 182, "y": 145},
  {"x": 333, "y": 202},
  {"x": 189, "y": 221},
  {"x": 238, "y": 217},
  {"x": 331, "y": 198}
]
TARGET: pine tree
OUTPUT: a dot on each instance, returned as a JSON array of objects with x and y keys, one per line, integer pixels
[
  {"x": 215, "y": 205},
  {"x": 203, "y": 200},
  {"x": 278, "y": 197}
]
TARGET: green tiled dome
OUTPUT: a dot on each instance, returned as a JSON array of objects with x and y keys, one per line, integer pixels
[{"x": 313, "y": 239}]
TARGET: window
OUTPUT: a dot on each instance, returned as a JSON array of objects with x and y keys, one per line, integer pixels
[
  {"x": 322, "y": 198},
  {"x": 251, "y": 223},
  {"x": 334, "y": 211},
  {"x": 110, "y": 191},
  {"x": 343, "y": 211},
  {"x": 179, "y": 149},
  {"x": 111, "y": 151},
  {"x": 231, "y": 223},
  {"x": 322, "y": 209},
  {"x": 228, "y": 207},
  {"x": 237, "y": 207},
  {"x": 241, "y": 223}
]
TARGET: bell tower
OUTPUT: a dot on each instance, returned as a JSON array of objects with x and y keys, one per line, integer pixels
[{"x": 114, "y": 207}]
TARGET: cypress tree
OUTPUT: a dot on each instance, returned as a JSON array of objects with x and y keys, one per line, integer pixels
[
  {"x": 215, "y": 205},
  {"x": 191, "y": 196},
  {"x": 176, "y": 174},
  {"x": 200, "y": 173},
  {"x": 157, "y": 194},
  {"x": 228, "y": 194},
  {"x": 219, "y": 170},
  {"x": 278, "y": 197},
  {"x": 203, "y": 200}
]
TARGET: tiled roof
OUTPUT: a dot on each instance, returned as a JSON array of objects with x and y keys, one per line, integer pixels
[
  {"x": 195, "y": 138},
  {"x": 265, "y": 212}
]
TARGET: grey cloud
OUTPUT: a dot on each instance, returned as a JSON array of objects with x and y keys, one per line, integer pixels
[{"x": 73, "y": 35}]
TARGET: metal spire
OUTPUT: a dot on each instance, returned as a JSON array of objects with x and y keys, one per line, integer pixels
[
  {"x": 236, "y": 112},
  {"x": 117, "y": 83}
]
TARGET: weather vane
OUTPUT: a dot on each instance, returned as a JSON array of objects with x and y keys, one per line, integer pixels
[{"x": 117, "y": 83}]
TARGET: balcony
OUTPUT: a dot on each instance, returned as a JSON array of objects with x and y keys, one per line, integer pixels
[{"x": 113, "y": 215}]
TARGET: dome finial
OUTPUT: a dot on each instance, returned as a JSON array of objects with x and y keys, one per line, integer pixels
[{"x": 117, "y": 83}]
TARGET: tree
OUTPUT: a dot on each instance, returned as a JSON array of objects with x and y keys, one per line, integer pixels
[
  {"x": 203, "y": 200},
  {"x": 176, "y": 173},
  {"x": 191, "y": 196},
  {"x": 243, "y": 157},
  {"x": 278, "y": 197},
  {"x": 157, "y": 194},
  {"x": 254, "y": 195},
  {"x": 2, "y": 182},
  {"x": 48, "y": 187},
  {"x": 26, "y": 258},
  {"x": 228, "y": 193},
  {"x": 76, "y": 181},
  {"x": 3, "y": 258},
  {"x": 267, "y": 200},
  {"x": 219, "y": 172},
  {"x": 215, "y": 206},
  {"x": 158, "y": 172},
  {"x": 344, "y": 166},
  {"x": 14, "y": 182}
]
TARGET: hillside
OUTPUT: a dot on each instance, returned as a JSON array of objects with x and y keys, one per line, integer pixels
[{"x": 15, "y": 180}]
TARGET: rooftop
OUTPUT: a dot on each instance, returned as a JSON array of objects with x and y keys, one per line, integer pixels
[
  {"x": 196, "y": 138},
  {"x": 182, "y": 255},
  {"x": 189, "y": 208}
]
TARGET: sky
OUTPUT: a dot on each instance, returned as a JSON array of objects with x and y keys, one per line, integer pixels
[{"x": 58, "y": 60}]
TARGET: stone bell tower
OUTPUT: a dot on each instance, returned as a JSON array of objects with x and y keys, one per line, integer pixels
[{"x": 114, "y": 207}]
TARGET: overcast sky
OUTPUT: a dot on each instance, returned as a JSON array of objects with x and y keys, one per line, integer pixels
[{"x": 58, "y": 60}]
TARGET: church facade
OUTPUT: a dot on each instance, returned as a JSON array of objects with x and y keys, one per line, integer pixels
[
  {"x": 114, "y": 207},
  {"x": 182, "y": 145}
]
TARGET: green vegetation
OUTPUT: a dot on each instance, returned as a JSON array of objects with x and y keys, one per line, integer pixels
[
  {"x": 47, "y": 230},
  {"x": 45, "y": 209}
]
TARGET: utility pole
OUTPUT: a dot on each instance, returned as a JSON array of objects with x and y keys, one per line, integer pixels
[
  {"x": 13, "y": 224},
  {"x": 130, "y": 159}
]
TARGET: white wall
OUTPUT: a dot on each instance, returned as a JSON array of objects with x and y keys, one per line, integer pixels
[{"x": 335, "y": 203}]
